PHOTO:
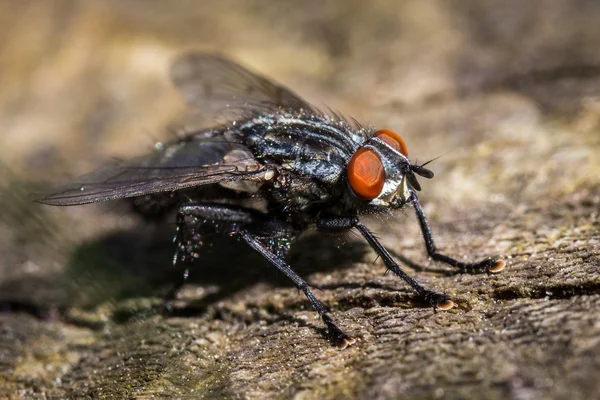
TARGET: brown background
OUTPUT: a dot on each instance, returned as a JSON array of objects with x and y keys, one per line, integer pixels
[{"x": 506, "y": 91}]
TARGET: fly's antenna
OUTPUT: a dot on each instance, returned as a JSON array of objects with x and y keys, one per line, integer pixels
[
  {"x": 422, "y": 171},
  {"x": 432, "y": 160}
]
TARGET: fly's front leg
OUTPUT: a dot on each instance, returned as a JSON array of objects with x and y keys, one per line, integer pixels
[
  {"x": 339, "y": 337},
  {"x": 488, "y": 265},
  {"x": 193, "y": 220},
  {"x": 341, "y": 224}
]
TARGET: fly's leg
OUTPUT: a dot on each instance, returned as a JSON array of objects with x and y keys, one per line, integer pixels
[
  {"x": 195, "y": 219},
  {"x": 179, "y": 259},
  {"x": 340, "y": 224},
  {"x": 339, "y": 337},
  {"x": 488, "y": 265},
  {"x": 270, "y": 237}
]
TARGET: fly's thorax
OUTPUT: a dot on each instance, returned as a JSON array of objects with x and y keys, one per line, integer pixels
[
  {"x": 378, "y": 172},
  {"x": 309, "y": 146}
]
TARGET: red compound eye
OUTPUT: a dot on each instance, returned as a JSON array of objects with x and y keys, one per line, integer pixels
[
  {"x": 392, "y": 139},
  {"x": 366, "y": 175}
]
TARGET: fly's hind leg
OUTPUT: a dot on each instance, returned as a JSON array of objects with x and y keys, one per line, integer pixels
[{"x": 195, "y": 220}]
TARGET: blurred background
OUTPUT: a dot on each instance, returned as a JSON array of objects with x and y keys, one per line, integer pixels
[
  {"x": 91, "y": 77},
  {"x": 506, "y": 91}
]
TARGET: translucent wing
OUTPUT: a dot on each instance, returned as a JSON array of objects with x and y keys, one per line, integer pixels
[
  {"x": 215, "y": 87},
  {"x": 218, "y": 87},
  {"x": 177, "y": 167}
]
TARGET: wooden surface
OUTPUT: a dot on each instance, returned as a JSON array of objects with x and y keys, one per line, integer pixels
[{"x": 507, "y": 92}]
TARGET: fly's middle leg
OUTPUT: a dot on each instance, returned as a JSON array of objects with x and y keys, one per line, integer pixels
[{"x": 338, "y": 336}]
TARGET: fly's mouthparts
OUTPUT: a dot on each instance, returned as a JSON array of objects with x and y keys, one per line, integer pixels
[{"x": 403, "y": 190}]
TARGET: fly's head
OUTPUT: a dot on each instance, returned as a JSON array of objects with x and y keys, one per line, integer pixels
[{"x": 380, "y": 173}]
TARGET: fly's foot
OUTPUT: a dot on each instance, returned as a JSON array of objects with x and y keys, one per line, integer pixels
[
  {"x": 491, "y": 265},
  {"x": 338, "y": 337},
  {"x": 438, "y": 300},
  {"x": 497, "y": 266}
]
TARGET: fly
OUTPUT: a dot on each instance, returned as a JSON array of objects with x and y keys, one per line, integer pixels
[{"x": 300, "y": 168}]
